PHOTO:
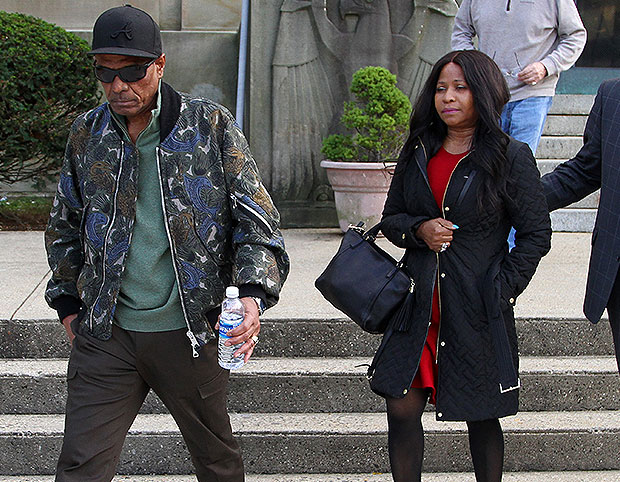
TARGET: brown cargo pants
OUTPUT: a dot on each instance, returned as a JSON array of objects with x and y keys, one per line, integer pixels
[{"x": 107, "y": 384}]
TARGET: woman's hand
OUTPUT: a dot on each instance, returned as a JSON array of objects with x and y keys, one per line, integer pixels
[{"x": 436, "y": 233}]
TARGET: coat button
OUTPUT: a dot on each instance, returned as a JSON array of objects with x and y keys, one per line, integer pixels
[
  {"x": 443, "y": 343},
  {"x": 443, "y": 275},
  {"x": 447, "y": 208},
  {"x": 439, "y": 414},
  {"x": 511, "y": 300},
  {"x": 404, "y": 235},
  {"x": 405, "y": 391}
]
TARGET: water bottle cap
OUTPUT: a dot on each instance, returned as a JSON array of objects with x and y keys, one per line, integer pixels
[{"x": 232, "y": 292}]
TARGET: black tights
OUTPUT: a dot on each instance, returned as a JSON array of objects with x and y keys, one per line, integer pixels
[{"x": 406, "y": 441}]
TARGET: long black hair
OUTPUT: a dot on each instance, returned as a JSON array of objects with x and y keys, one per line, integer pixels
[{"x": 490, "y": 94}]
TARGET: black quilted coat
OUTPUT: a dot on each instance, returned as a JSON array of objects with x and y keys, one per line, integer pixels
[{"x": 479, "y": 281}]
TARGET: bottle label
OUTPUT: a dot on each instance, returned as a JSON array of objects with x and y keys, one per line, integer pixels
[{"x": 228, "y": 321}]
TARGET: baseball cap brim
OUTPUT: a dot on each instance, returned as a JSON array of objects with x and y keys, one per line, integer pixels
[{"x": 123, "y": 51}]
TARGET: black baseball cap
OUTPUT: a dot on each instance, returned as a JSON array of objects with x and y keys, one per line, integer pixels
[{"x": 126, "y": 30}]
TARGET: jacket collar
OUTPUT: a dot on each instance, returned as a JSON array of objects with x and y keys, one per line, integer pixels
[
  {"x": 170, "y": 110},
  {"x": 169, "y": 114}
]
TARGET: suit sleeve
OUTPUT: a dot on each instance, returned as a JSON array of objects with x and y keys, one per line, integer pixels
[
  {"x": 575, "y": 179},
  {"x": 260, "y": 264}
]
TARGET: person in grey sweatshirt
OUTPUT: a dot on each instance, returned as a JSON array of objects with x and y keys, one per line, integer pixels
[{"x": 531, "y": 41}]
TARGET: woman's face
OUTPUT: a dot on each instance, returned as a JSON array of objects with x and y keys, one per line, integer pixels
[{"x": 454, "y": 101}]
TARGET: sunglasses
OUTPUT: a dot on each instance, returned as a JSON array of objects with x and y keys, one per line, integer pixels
[{"x": 131, "y": 73}]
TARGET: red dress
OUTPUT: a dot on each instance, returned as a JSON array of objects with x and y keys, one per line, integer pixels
[{"x": 439, "y": 170}]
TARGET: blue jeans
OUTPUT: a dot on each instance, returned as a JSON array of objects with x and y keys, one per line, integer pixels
[{"x": 524, "y": 120}]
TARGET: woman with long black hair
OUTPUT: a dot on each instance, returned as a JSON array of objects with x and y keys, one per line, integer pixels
[{"x": 459, "y": 185}]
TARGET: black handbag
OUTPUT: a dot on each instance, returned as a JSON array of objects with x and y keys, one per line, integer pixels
[{"x": 367, "y": 284}]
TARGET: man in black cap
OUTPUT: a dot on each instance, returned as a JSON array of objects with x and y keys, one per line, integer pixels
[{"x": 159, "y": 207}]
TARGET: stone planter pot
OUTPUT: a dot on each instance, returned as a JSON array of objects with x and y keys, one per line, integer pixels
[{"x": 360, "y": 190}]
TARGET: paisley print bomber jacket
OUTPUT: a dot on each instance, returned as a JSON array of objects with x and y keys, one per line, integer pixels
[{"x": 222, "y": 226}]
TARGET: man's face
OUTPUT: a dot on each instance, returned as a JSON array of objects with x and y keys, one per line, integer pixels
[{"x": 131, "y": 99}]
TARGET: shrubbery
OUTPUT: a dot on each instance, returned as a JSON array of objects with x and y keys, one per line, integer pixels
[
  {"x": 379, "y": 116},
  {"x": 45, "y": 82}
]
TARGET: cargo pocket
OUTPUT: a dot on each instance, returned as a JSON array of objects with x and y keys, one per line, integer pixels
[{"x": 215, "y": 385}]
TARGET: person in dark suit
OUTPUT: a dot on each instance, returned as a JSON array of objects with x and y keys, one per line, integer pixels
[{"x": 597, "y": 165}]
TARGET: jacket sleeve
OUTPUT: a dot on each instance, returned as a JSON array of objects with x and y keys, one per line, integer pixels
[
  {"x": 62, "y": 236},
  {"x": 396, "y": 223},
  {"x": 575, "y": 179},
  {"x": 571, "y": 39},
  {"x": 528, "y": 213},
  {"x": 463, "y": 32},
  {"x": 260, "y": 264}
]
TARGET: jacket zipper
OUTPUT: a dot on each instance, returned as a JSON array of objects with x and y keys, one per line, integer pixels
[
  {"x": 443, "y": 213},
  {"x": 190, "y": 334},
  {"x": 251, "y": 212},
  {"x": 107, "y": 234}
]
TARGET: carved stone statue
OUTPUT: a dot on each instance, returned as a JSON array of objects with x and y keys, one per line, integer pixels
[
  {"x": 302, "y": 104},
  {"x": 319, "y": 44}
]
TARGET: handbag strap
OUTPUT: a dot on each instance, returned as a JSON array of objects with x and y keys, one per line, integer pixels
[{"x": 370, "y": 235}]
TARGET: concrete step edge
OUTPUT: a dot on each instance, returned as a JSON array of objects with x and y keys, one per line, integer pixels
[
  {"x": 566, "y": 476},
  {"x": 333, "y": 424},
  {"x": 571, "y": 104},
  {"x": 328, "y": 366}
]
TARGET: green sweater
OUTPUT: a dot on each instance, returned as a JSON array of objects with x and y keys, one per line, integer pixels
[{"x": 149, "y": 296}]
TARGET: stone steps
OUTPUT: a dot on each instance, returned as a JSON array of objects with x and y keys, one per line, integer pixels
[
  {"x": 334, "y": 337},
  {"x": 565, "y": 125},
  {"x": 317, "y": 385},
  {"x": 593, "y": 476},
  {"x": 558, "y": 147},
  {"x": 326, "y": 443},
  {"x": 562, "y": 138},
  {"x": 571, "y": 104}
]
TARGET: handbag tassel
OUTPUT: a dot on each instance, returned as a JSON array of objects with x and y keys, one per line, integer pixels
[{"x": 401, "y": 321}]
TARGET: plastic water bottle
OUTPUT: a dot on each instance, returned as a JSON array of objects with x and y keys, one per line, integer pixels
[{"x": 231, "y": 317}]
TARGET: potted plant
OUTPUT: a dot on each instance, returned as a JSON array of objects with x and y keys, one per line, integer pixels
[{"x": 359, "y": 165}]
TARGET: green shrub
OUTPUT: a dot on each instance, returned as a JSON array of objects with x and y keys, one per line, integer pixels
[
  {"x": 45, "y": 82},
  {"x": 19, "y": 213},
  {"x": 379, "y": 118}
]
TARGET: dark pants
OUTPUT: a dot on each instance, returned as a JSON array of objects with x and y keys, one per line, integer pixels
[
  {"x": 107, "y": 384},
  {"x": 613, "y": 310}
]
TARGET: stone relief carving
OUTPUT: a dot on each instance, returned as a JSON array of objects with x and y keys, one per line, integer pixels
[{"x": 319, "y": 45}]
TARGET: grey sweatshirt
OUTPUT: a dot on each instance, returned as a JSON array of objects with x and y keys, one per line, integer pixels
[{"x": 516, "y": 33}]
